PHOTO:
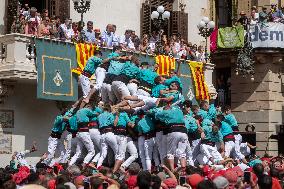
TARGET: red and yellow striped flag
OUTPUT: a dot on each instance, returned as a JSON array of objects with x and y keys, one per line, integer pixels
[
  {"x": 165, "y": 64},
  {"x": 84, "y": 52},
  {"x": 201, "y": 89}
]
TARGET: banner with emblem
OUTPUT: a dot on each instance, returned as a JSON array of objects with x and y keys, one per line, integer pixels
[
  {"x": 231, "y": 37},
  {"x": 165, "y": 64},
  {"x": 55, "y": 60},
  {"x": 83, "y": 51},
  {"x": 201, "y": 89}
]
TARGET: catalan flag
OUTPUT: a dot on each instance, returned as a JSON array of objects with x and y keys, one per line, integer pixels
[
  {"x": 201, "y": 89},
  {"x": 165, "y": 64},
  {"x": 84, "y": 52}
]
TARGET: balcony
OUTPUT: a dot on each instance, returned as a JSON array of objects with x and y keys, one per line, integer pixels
[{"x": 17, "y": 57}]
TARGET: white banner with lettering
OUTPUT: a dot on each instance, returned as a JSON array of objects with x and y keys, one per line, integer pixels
[{"x": 269, "y": 35}]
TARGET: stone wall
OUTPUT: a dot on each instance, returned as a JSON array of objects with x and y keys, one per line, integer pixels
[
  {"x": 33, "y": 119},
  {"x": 260, "y": 102}
]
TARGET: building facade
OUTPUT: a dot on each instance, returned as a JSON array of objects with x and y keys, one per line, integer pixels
[{"x": 24, "y": 118}]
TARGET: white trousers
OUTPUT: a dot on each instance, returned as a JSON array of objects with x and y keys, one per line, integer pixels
[
  {"x": 176, "y": 143},
  {"x": 141, "y": 149},
  {"x": 121, "y": 147},
  {"x": 120, "y": 90},
  {"x": 132, "y": 87},
  {"x": 238, "y": 140},
  {"x": 100, "y": 77},
  {"x": 207, "y": 152},
  {"x": 132, "y": 150},
  {"x": 78, "y": 151},
  {"x": 143, "y": 93},
  {"x": 151, "y": 152},
  {"x": 85, "y": 139},
  {"x": 53, "y": 145},
  {"x": 195, "y": 148},
  {"x": 68, "y": 147},
  {"x": 161, "y": 145},
  {"x": 107, "y": 94},
  {"x": 229, "y": 148},
  {"x": 85, "y": 85},
  {"x": 96, "y": 138},
  {"x": 107, "y": 140},
  {"x": 189, "y": 158}
]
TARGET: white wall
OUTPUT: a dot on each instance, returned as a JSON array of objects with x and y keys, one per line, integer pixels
[
  {"x": 125, "y": 14},
  {"x": 33, "y": 120},
  {"x": 196, "y": 10},
  {"x": 2, "y": 15}
]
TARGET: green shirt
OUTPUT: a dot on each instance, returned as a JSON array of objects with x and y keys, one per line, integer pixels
[
  {"x": 130, "y": 70},
  {"x": 190, "y": 124},
  {"x": 96, "y": 111},
  {"x": 156, "y": 90},
  {"x": 231, "y": 120},
  {"x": 58, "y": 124},
  {"x": 92, "y": 64},
  {"x": 73, "y": 123},
  {"x": 148, "y": 76},
  {"x": 84, "y": 115},
  {"x": 173, "y": 79},
  {"x": 113, "y": 54},
  {"x": 115, "y": 67},
  {"x": 123, "y": 119},
  {"x": 176, "y": 95},
  {"x": 145, "y": 125},
  {"x": 225, "y": 128},
  {"x": 170, "y": 116},
  {"x": 106, "y": 119}
]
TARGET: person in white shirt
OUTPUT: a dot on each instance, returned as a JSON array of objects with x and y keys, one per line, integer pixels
[
  {"x": 66, "y": 29},
  {"x": 115, "y": 37},
  {"x": 107, "y": 36},
  {"x": 126, "y": 42},
  {"x": 200, "y": 54}
]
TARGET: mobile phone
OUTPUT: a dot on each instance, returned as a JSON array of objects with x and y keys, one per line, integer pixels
[
  {"x": 182, "y": 180},
  {"x": 247, "y": 175},
  {"x": 87, "y": 183},
  {"x": 105, "y": 185},
  {"x": 160, "y": 169},
  {"x": 55, "y": 170}
]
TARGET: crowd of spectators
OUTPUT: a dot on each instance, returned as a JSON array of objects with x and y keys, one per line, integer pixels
[
  {"x": 30, "y": 22},
  {"x": 263, "y": 173},
  {"x": 275, "y": 14}
]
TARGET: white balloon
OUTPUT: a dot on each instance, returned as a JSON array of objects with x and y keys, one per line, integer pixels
[
  {"x": 211, "y": 24},
  {"x": 201, "y": 24},
  {"x": 154, "y": 15},
  {"x": 160, "y": 9},
  {"x": 166, "y": 15},
  {"x": 205, "y": 19}
]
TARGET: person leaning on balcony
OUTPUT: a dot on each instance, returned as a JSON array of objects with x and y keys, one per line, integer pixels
[
  {"x": 263, "y": 16},
  {"x": 107, "y": 36},
  {"x": 90, "y": 36},
  {"x": 243, "y": 20},
  {"x": 33, "y": 21},
  {"x": 126, "y": 42},
  {"x": 19, "y": 28},
  {"x": 44, "y": 28}
]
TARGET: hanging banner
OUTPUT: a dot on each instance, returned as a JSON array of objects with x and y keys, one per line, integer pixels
[
  {"x": 165, "y": 64},
  {"x": 231, "y": 37},
  {"x": 55, "y": 60},
  {"x": 201, "y": 89},
  {"x": 84, "y": 52},
  {"x": 269, "y": 35}
]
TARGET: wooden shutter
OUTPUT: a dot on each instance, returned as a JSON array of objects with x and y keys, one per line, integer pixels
[
  {"x": 179, "y": 24},
  {"x": 11, "y": 13},
  {"x": 145, "y": 19},
  {"x": 244, "y": 5},
  {"x": 63, "y": 9}
]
